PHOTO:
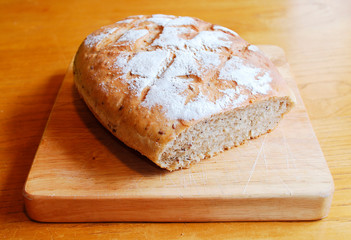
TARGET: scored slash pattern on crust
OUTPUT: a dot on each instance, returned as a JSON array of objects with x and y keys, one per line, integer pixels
[{"x": 190, "y": 53}]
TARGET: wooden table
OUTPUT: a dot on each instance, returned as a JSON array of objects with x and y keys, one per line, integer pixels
[{"x": 39, "y": 39}]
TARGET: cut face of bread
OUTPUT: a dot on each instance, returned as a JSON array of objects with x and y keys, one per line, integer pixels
[
  {"x": 178, "y": 89},
  {"x": 223, "y": 131}
]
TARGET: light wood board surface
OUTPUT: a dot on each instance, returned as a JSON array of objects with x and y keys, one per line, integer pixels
[
  {"x": 81, "y": 173},
  {"x": 40, "y": 37}
]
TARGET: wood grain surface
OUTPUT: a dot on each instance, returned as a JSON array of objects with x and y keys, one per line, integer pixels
[
  {"x": 81, "y": 173},
  {"x": 39, "y": 38}
]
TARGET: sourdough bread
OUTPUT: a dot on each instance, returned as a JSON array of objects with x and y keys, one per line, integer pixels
[{"x": 178, "y": 89}]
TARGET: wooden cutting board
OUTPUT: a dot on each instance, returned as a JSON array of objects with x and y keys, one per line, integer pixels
[{"x": 82, "y": 173}]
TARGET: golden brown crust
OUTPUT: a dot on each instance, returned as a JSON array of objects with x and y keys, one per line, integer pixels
[{"x": 108, "y": 88}]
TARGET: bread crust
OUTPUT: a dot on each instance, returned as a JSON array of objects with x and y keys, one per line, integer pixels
[{"x": 107, "y": 90}]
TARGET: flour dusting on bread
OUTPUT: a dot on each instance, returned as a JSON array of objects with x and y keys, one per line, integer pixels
[
  {"x": 179, "y": 89},
  {"x": 238, "y": 70},
  {"x": 131, "y": 36},
  {"x": 92, "y": 40}
]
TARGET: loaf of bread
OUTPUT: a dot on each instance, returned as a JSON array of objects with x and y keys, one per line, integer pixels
[{"x": 178, "y": 89}]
